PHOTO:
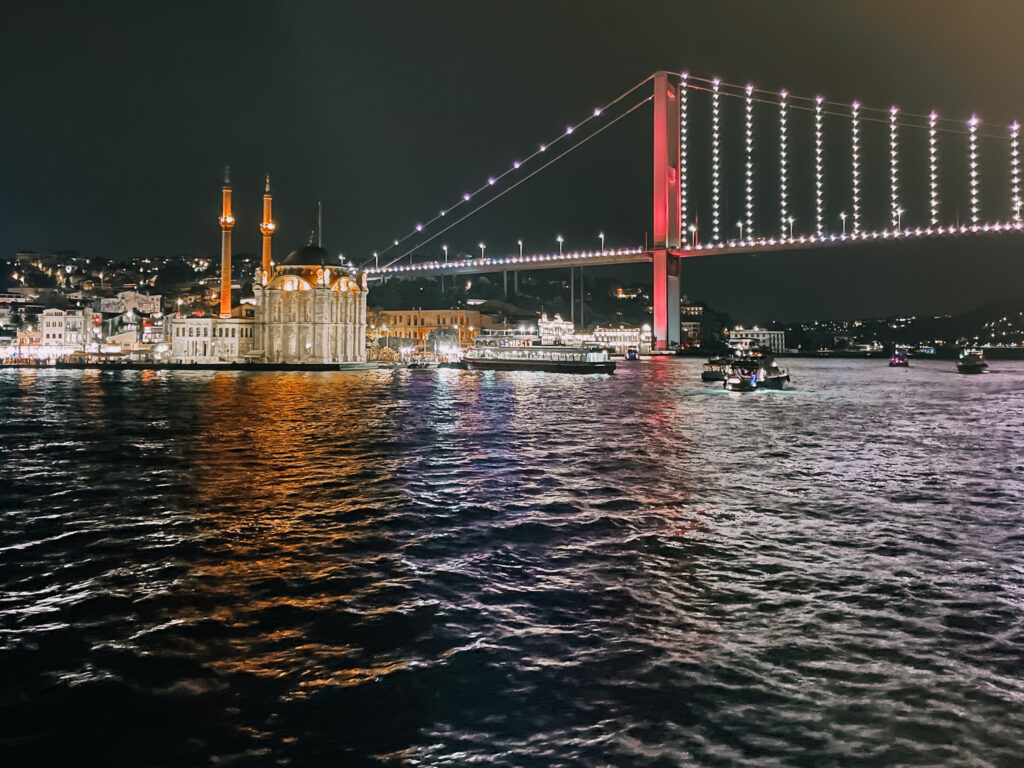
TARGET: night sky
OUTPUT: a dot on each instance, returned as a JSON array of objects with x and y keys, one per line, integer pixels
[{"x": 119, "y": 117}]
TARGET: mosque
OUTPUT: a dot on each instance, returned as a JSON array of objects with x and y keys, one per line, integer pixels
[{"x": 303, "y": 310}]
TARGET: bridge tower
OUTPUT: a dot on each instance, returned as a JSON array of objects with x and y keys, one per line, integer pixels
[
  {"x": 227, "y": 222},
  {"x": 665, "y": 249}
]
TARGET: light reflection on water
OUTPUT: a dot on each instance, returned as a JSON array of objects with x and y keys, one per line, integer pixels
[{"x": 437, "y": 567}]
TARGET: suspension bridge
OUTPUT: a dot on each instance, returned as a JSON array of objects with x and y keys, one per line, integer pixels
[{"x": 678, "y": 161}]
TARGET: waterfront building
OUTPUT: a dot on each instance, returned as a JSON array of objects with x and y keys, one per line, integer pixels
[
  {"x": 417, "y": 324},
  {"x": 690, "y": 321},
  {"x": 555, "y": 330},
  {"x": 744, "y": 338},
  {"x": 621, "y": 337},
  {"x": 211, "y": 339}
]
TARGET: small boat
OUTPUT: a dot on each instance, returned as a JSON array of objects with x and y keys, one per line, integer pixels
[
  {"x": 759, "y": 371},
  {"x": 632, "y": 353},
  {"x": 899, "y": 360},
  {"x": 715, "y": 369},
  {"x": 972, "y": 361}
]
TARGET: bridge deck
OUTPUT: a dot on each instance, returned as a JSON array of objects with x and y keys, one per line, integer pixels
[{"x": 639, "y": 255}]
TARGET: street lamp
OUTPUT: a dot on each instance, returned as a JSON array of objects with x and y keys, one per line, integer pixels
[
  {"x": 791, "y": 220},
  {"x": 482, "y": 246},
  {"x": 445, "y": 249},
  {"x": 180, "y": 302},
  {"x": 560, "y": 241},
  {"x": 601, "y": 235},
  {"x": 740, "y": 225},
  {"x": 376, "y": 260},
  {"x": 693, "y": 235},
  {"x": 520, "y": 248},
  {"x": 843, "y": 217},
  {"x": 899, "y": 219}
]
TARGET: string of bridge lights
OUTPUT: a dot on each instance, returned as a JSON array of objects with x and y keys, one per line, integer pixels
[
  {"x": 468, "y": 197},
  {"x": 894, "y": 182},
  {"x": 785, "y": 103},
  {"x": 857, "y": 114},
  {"x": 716, "y": 160}
]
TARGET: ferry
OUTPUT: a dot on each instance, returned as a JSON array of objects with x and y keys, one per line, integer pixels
[
  {"x": 496, "y": 353},
  {"x": 972, "y": 361},
  {"x": 632, "y": 353}
]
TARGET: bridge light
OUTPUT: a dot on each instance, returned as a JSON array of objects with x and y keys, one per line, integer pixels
[
  {"x": 894, "y": 196},
  {"x": 933, "y": 171},
  {"x": 597, "y": 111},
  {"x": 419, "y": 227},
  {"x": 490, "y": 180},
  {"x": 1015, "y": 201},
  {"x": 749, "y": 128},
  {"x": 516, "y": 165},
  {"x": 715, "y": 158},
  {"x": 466, "y": 196},
  {"x": 972, "y": 138},
  {"x": 819, "y": 175},
  {"x": 683, "y": 133},
  {"x": 855, "y": 161},
  {"x": 783, "y": 161}
]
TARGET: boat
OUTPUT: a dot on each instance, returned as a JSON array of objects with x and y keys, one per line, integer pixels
[
  {"x": 421, "y": 364},
  {"x": 632, "y": 353},
  {"x": 715, "y": 369},
  {"x": 972, "y": 361},
  {"x": 899, "y": 360},
  {"x": 500, "y": 354},
  {"x": 758, "y": 371}
]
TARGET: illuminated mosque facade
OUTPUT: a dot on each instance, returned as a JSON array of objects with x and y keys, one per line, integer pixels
[{"x": 303, "y": 311}]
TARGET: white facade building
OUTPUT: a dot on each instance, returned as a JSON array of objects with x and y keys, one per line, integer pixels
[
  {"x": 744, "y": 338},
  {"x": 555, "y": 331},
  {"x": 210, "y": 339}
]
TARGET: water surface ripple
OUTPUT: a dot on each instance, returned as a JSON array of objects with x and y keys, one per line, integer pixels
[{"x": 456, "y": 568}]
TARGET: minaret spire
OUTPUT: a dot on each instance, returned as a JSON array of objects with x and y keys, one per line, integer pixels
[
  {"x": 227, "y": 222},
  {"x": 267, "y": 227}
]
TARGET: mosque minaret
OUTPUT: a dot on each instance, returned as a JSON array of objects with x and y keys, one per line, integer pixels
[
  {"x": 227, "y": 223},
  {"x": 267, "y": 227}
]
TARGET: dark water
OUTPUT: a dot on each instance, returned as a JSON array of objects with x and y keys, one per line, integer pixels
[{"x": 454, "y": 568}]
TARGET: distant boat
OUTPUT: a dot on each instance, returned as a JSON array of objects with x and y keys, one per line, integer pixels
[
  {"x": 972, "y": 361},
  {"x": 899, "y": 360},
  {"x": 632, "y": 353},
  {"x": 715, "y": 369}
]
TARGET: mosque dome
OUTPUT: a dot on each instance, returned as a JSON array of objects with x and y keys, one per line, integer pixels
[{"x": 307, "y": 256}]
